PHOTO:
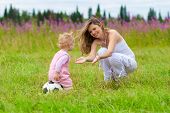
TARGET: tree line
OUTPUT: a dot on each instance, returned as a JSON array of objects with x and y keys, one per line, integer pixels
[{"x": 14, "y": 15}]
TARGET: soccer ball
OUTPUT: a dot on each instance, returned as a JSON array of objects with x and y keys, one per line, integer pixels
[{"x": 51, "y": 86}]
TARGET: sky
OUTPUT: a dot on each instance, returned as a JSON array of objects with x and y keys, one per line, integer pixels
[{"x": 134, "y": 7}]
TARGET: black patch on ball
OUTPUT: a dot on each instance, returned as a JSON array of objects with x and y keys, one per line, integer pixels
[
  {"x": 45, "y": 90},
  {"x": 51, "y": 82},
  {"x": 56, "y": 89}
]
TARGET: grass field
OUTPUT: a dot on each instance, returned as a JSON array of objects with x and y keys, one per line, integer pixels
[{"x": 24, "y": 63}]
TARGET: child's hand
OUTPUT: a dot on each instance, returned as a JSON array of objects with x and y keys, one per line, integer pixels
[
  {"x": 80, "y": 60},
  {"x": 56, "y": 77},
  {"x": 96, "y": 59}
]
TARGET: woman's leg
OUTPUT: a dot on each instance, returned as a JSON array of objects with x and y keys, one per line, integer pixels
[
  {"x": 122, "y": 64},
  {"x": 117, "y": 65},
  {"x": 104, "y": 63}
]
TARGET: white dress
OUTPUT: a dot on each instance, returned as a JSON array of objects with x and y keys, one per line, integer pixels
[{"x": 120, "y": 63}]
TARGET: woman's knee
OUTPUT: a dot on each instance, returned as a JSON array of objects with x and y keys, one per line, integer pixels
[
  {"x": 115, "y": 59},
  {"x": 132, "y": 66},
  {"x": 101, "y": 51}
]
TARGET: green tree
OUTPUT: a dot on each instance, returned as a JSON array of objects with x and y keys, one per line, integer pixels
[
  {"x": 168, "y": 15},
  {"x": 59, "y": 16},
  {"x": 90, "y": 12},
  {"x": 139, "y": 17},
  {"x": 33, "y": 13},
  {"x": 14, "y": 15},
  {"x": 66, "y": 17},
  {"x": 5, "y": 13},
  {"x": 123, "y": 14},
  {"x": 40, "y": 18},
  {"x": 49, "y": 15},
  {"x": 76, "y": 16},
  {"x": 25, "y": 16},
  {"x": 127, "y": 17},
  {"x": 104, "y": 15},
  {"x": 98, "y": 14},
  {"x": 151, "y": 14},
  {"x": 160, "y": 17},
  {"x": 104, "y": 18},
  {"x": 109, "y": 16}
]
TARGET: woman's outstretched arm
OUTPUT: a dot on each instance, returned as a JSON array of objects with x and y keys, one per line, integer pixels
[
  {"x": 113, "y": 38},
  {"x": 91, "y": 56}
]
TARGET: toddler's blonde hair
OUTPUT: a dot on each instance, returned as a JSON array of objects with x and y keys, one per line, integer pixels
[{"x": 65, "y": 40}]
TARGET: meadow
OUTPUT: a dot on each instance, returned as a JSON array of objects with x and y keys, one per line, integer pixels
[{"x": 26, "y": 52}]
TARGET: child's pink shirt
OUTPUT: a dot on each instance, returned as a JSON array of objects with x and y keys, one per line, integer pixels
[{"x": 60, "y": 64}]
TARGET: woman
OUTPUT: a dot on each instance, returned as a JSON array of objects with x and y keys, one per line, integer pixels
[{"x": 115, "y": 56}]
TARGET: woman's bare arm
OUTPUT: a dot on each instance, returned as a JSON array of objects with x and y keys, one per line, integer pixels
[
  {"x": 92, "y": 54},
  {"x": 113, "y": 38}
]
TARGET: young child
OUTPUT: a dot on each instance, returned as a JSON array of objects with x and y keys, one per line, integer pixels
[{"x": 59, "y": 71}]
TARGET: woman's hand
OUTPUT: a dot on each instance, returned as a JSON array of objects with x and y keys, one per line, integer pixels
[
  {"x": 80, "y": 60},
  {"x": 97, "y": 58}
]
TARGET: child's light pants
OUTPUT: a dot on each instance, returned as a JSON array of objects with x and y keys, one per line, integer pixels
[{"x": 117, "y": 65}]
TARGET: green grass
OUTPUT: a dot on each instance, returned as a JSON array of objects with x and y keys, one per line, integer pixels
[{"x": 24, "y": 68}]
